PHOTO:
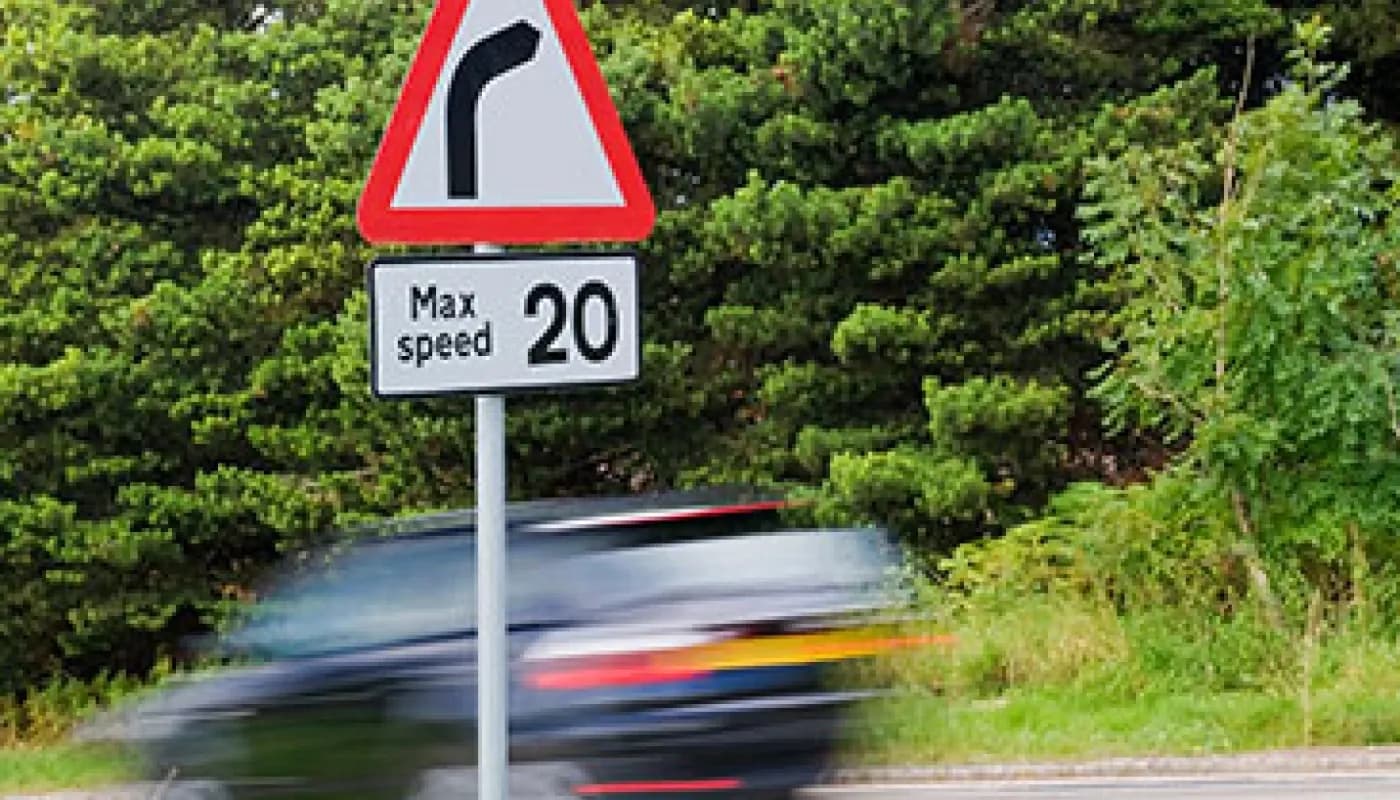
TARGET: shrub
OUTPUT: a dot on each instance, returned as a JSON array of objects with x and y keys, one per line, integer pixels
[{"x": 48, "y": 714}]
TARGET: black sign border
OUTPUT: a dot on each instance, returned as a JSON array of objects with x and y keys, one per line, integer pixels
[{"x": 391, "y": 261}]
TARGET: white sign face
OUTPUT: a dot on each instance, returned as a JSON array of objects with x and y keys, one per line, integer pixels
[
  {"x": 534, "y": 142},
  {"x": 490, "y": 324}
]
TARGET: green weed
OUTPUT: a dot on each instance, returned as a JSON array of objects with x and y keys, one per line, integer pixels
[
  {"x": 62, "y": 767},
  {"x": 47, "y": 714}
]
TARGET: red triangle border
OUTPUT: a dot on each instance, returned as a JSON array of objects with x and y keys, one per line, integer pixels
[{"x": 380, "y": 223}]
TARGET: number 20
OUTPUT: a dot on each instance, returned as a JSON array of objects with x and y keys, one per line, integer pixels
[{"x": 544, "y": 351}]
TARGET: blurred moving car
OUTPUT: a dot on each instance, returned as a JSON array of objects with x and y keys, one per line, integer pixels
[{"x": 659, "y": 648}]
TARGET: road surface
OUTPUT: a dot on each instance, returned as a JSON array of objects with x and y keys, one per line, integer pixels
[{"x": 1346, "y": 786}]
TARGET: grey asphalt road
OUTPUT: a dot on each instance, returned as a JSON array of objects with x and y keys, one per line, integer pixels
[
  {"x": 1372, "y": 785},
  {"x": 1347, "y": 786}
]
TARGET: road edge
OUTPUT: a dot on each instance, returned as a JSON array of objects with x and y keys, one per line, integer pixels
[
  {"x": 1316, "y": 759},
  {"x": 1273, "y": 763}
]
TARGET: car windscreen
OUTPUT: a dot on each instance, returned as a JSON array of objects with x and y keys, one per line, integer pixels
[{"x": 393, "y": 591}]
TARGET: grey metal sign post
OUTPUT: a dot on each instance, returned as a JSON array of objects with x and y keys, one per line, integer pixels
[{"x": 493, "y": 647}]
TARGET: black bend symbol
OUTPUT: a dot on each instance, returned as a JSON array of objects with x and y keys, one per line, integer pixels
[{"x": 510, "y": 48}]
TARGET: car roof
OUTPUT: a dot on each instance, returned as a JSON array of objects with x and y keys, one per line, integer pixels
[{"x": 559, "y": 516}]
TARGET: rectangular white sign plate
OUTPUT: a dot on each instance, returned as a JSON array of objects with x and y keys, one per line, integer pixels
[{"x": 489, "y": 324}]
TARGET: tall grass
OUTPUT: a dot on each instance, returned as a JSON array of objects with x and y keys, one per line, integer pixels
[
  {"x": 1126, "y": 621},
  {"x": 62, "y": 767},
  {"x": 47, "y": 714}
]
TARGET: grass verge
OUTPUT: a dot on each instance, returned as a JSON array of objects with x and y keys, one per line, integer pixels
[
  {"x": 1142, "y": 622},
  {"x": 1050, "y": 680},
  {"x": 1067, "y": 724},
  {"x": 40, "y": 769}
]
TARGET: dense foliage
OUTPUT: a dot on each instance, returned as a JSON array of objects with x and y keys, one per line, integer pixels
[
  {"x": 1261, "y": 316},
  {"x": 870, "y": 281},
  {"x": 1257, "y": 328}
]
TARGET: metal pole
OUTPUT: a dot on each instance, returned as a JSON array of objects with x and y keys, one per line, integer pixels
[{"x": 492, "y": 654}]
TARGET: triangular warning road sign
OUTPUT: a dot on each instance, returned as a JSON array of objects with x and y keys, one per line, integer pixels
[{"x": 505, "y": 133}]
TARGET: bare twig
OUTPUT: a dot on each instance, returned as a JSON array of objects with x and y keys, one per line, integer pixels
[
  {"x": 1230, "y": 189},
  {"x": 1233, "y": 141},
  {"x": 1360, "y": 576},
  {"x": 1394, "y": 409},
  {"x": 1312, "y": 634},
  {"x": 1249, "y": 554}
]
